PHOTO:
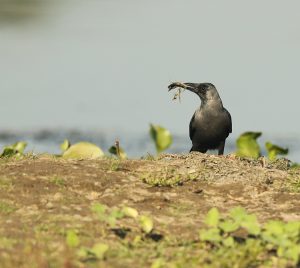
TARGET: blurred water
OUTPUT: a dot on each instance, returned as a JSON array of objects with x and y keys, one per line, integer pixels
[
  {"x": 136, "y": 145},
  {"x": 88, "y": 64}
]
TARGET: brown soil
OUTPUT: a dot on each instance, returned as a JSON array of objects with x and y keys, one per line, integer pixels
[{"x": 47, "y": 193}]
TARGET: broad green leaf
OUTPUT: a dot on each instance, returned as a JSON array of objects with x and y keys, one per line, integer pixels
[
  {"x": 292, "y": 229},
  {"x": 100, "y": 210},
  {"x": 121, "y": 154},
  {"x": 20, "y": 146},
  {"x": 229, "y": 226},
  {"x": 238, "y": 214},
  {"x": 72, "y": 239},
  {"x": 228, "y": 242},
  {"x": 161, "y": 137},
  {"x": 130, "y": 212},
  {"x": 251, "y": 224},
  {"x": 158, "y": 263},
  {"x": 117, "y": 213},
  {"x": 8, "y": 152},
  {"x": 247, "y": 145},
  {"x": 114, "y": 216},
  {"x": 273, "y": 232},
  {"x": 274, "y": 150},
  {"x": 65, "y": 145},
  {"x": 83, "y": 150},
  {"x": 83, "y": 252},
  {"x": 245, "y": 220},
  {"x": 146, "y": 224},
  {"x": 14, "y": 149},
  {"x": 292, "y": 253},
  {"x": 275, "y": 228},
  {"x": 99, "y": 250},
  {"x": 212, "y": 217},
  {"x": 111, "y": 220},
  {"x": 210, "y": 235}
]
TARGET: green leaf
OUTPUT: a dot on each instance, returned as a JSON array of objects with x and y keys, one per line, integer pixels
[
  {"x": 72, "y": 239},
  {"x": 228, "y": 242},
  {"x": 158, "y": 263},
  {"x": 146, "y": 224},
  {"x": 83, "y": 150},
  {"x": 245, "y": 220},
  {"x": 238, "y": 214},
  {"x": 20, "y": 146},
  {"x": 247, "y": 145},
  {"x": 99, "y": 250},
  {"x": 117, "y": 213},
  {"x": 275, "y": 228},
  {"x": 8, "y": 152},
  {"x": 100, "y": 210},
  {"x": 112, "y": 218},
  {"x": 212, "y": 217},
  {"x": 273, "y": 232},
  {"x": 130, "y": 212},
  {"x": 251, "y": 224},
  {"x": 65, "y": 145},
  {"x": 161, "y": 137},
  {"x": 121, "y": 154},
  {"x": 292, "y": 229},
  {"x": 274, "y": 150},
  {"x": 14, "y": 149},
  {"x": 292, "y": 252},
  {"x": 210, "y": 235},
  {"x": 229, "y": 226}
]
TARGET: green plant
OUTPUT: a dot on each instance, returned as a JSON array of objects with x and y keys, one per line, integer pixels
[
  {"x": 114, "y": 164},
  {"x": 58, "y": 181},
  {"x": 247, "y": 145},
  {"x": 72, "y": 239},
  {"x": 65, "y": 145},
  {"x": 117, "y": 151},
  {"x": 16, "y": 149},
  {"x": 282, "y": 237},
  {"x": 96, "y": 252},
  {"x": 161, "y": 137},
  {"x": 274, "y": 150},
  {"x": 112, "y": 215},
  {"x": 6, "y": 208},
  {"x": 83, "y": 150}
]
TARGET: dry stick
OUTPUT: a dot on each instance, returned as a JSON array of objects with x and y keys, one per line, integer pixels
[
  {"x": 177, "y": 94},
  {"x": 117, "y": 144},
  {"x": 180, "y": 87}
]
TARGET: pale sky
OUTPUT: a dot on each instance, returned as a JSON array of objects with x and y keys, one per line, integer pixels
[{"x": 106, "y": 64}]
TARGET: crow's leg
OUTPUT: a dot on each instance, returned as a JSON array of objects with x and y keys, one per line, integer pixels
[
  {"x": 198, "y": 149},
  {"x": 221, "y": 148}
]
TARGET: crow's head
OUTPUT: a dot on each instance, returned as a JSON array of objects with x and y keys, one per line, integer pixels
[{"x": 206, "y": 91}]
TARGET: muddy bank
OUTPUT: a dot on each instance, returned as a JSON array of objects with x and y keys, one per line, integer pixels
[{"x": 42, "y": 197}]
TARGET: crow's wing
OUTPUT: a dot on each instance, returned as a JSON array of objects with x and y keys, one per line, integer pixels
[
  {"x": 192, "y": 129},
  {"x": 230, "y": 123}
]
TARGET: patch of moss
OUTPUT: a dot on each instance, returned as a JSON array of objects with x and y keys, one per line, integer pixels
[{"x": 6, "y": 208}]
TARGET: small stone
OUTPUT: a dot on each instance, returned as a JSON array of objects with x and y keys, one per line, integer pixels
[
  {"x": 57, "y": 197},
  {"x": 49, "y": 205}
]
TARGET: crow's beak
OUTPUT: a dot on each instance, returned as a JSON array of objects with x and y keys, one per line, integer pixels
[{"x": 188, "y": 86}]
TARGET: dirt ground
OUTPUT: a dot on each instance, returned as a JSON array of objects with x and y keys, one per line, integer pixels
[{"x": 43, "y": 197}]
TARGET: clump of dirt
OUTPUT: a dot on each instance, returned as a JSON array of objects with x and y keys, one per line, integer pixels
[{"x": 42, "y": 197}]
